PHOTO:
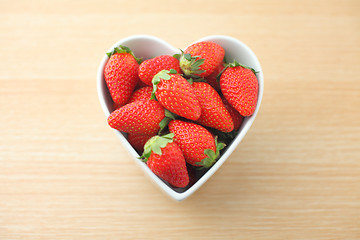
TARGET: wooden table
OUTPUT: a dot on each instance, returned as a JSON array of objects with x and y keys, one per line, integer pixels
[{"x": 65, "y": 175}]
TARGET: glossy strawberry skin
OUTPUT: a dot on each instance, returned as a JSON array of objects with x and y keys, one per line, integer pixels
[
  {"x": 121, "y": 77},
  {"x": 192, "y": 139},
  {"x": 239, "y": 86},
  {"x": 149, "y": 68},
  {"x": 212, "y": 52},
  {"x": 213, "y": 112},
  {"x": 139, "y": 117},
  {"x": 141, "y": 94},
  {"x": 178, "y": 96},
  {"x": 170, "y": 165}
]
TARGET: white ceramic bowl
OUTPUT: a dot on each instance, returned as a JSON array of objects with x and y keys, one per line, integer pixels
[{"x": 148, "y": 46}]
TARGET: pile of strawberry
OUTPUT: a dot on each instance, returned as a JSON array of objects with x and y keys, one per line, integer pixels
[{"x": 174, "y": 108}]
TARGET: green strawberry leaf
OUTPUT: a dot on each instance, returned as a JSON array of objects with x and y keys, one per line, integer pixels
[
  {"x": 208, "y": 161},
  {"x": 211, "y": 155},
  {"x": 163, "y": 124},
  {"x": 190, "y": 80},
  {"x": 147, "y": 150},
  {"x": 197, "y": 63},
  {"x": 155, "y": 144},
  {"x": 169, "y": 136},
  {"x": 123, "y": 49},
  {"x": 177, "y": 56},
  {"x": 156, "y": 149},
  {"x": 190, "y": 65},
  {"x": 170, "y": 114},
  {"x": 187, "y": 56},
  {"x": 219, "y": 146},
  {"x": 173, "y": 71},
  {"x": 163, "y": 74},
  {"x": 236, "y": 64}
]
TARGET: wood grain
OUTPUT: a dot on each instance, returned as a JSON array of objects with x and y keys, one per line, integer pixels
[{"x": 65, "y": 175}]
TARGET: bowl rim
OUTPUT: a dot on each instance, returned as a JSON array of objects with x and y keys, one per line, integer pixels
[{"x": 101, "y": 91}]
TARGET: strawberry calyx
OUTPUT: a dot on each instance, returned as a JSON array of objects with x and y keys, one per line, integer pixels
[
  {"x": 155, "y": 144},
  {"x": 211, "y": 155},
  {"x": 123, "y": 49},
  {"x": 162, "y": 75},
  {"x": 235, "y": 64},
  {"x": 190, "y": 65}
]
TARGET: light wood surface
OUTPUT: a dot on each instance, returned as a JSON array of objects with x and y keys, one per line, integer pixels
[{"x": 65, "y": 175}]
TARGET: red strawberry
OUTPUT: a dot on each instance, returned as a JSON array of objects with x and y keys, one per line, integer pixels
[
  {"x": 198, "y": 145},
  {"x": 149, "y": 68},
  {"x": 176, "y": 94},
  {"x": 140, "y": 117},
  {"x": 165, "y": 159},
  {"x": 213, "y": 111},
  {"x": 239, "y": 86},
  {"x": 235, "y": 115},
  {"x": 121, "y": 74},
  {"x": 141, "y": 94},
  {"x": 212, "y": 78},
  {"x": 138, "y": 141},
  {"x": 201, "y": 59}
]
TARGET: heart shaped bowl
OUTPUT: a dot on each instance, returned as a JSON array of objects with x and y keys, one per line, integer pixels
[{"x": 149, "y": 46}]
